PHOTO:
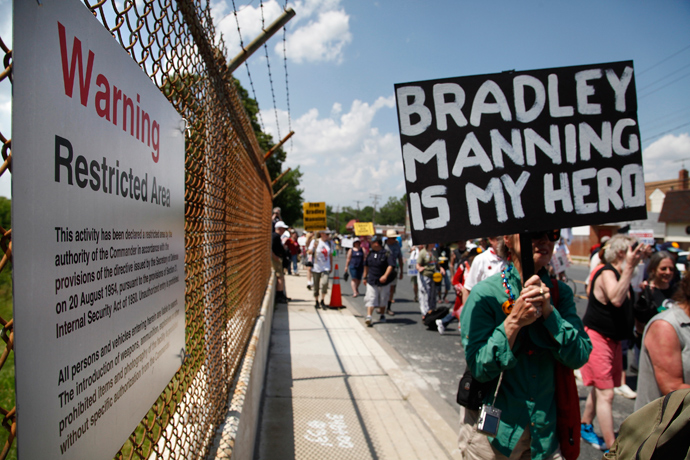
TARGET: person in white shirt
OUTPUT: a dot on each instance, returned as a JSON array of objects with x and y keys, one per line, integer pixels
[
  {"x": 321, "y": 251},
  {"x": 485, "y": 264}
]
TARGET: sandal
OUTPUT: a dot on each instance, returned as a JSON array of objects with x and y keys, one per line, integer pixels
[{"x": 390, "y": 312}]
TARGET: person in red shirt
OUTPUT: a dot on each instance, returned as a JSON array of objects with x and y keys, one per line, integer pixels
[
  {"x": 465, "y": 261},
  {"x": 293, "y": 249}
]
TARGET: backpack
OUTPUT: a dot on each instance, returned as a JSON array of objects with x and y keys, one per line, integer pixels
[
  {"x": 432, "y": 315},
  {"x": 659, "y": 430}
]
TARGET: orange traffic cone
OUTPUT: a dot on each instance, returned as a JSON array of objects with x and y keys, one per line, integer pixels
[{"x": 336, "y": 298}]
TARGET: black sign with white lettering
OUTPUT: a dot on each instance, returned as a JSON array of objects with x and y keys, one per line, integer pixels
[{"x": 521, "y": 151}]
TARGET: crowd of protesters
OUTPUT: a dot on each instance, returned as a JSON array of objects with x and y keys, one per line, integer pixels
[{"x": 514, "y": 330}]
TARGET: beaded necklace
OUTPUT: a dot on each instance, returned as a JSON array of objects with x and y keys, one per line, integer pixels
[{"x": 507, "y": 306}]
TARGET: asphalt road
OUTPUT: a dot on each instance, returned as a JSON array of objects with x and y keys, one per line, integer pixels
[{"x": 439, "y": 359}]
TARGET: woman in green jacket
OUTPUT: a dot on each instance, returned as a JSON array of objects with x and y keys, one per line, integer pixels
[{"x": 515, "y": 332}]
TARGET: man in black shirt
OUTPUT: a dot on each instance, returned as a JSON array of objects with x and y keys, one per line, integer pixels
[
  {"x": 277, "y": 256},
  {"x": 378, "y": 273}
]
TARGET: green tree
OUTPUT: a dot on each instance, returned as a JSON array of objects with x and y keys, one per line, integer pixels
[
  {"x": 393, "y": 212},
  {"x": 6, "y": 273},
  {"x": 290, "y": 200},
  {"x": 5, "y": 213}
]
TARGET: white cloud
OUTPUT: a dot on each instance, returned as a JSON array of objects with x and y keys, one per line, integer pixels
[
  {"x": 663, "y": 159},
  {"x": 249, "y": 18},
  {"x": 343, "y": 157},
  {"x": 318, "y": 32},
  {"x": 320, "y": 40}
]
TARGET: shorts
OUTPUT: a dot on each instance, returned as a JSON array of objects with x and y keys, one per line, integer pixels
[
  {"x": 605, "y": 365},
  {"x": 376, "y": 296},
  {"x": 356, "y": 273},
  {"x": 278, "y": 267},
  {"x": 320, "y": 279}
]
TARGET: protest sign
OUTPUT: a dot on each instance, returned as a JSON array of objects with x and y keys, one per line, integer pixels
[
  {"x": 364, "y": 228},
  {"x": 521, "y": 151},
  {"x": 314, "y": 216},
  {"x": 644, "y": 236}
]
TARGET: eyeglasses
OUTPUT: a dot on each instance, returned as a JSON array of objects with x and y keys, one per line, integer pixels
[{"x": 551, "y": 235}]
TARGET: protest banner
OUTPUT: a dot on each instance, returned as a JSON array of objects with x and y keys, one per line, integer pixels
[
  {"x": 314, "y": 216},
  {"x": 364, "y": 228},
  {"x": 521, "y": 151}
]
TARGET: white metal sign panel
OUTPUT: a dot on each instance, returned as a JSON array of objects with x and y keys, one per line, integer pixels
[
  {"x": 645, "y": 236},
  {"x": 98, "y": 235}
]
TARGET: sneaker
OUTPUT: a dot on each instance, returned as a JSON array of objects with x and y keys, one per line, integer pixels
[
  {"x": 439, "y": 325},
  {"x": 309, "y": 286},
  {"x": 368, "y": 321},
  {"x": 588, "y": 435},
  {"x": 323, "y": 305},
  {"x": 625, "y": 391},
  {"x": 382, "y": 319},
  {"x": 317, "y": 304}
]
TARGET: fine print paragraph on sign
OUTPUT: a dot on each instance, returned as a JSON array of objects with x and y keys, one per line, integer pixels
[
  {"x": 521, "y": 151},
  {"x": 134, "y": 265}
]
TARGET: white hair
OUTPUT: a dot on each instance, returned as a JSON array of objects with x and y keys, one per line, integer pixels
[{"x": 615, "y": 245}]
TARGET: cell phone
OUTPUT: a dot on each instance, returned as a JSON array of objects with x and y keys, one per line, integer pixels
[
  {"x": 489, "y": 417},
  {"x": 635, "y": 245}
]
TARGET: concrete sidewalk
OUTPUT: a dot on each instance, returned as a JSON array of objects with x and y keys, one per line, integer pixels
[{"x": 332, "y": 391}]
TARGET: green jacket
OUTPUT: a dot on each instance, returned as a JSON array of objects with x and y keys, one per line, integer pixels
[{"x": 526, "y": 396}]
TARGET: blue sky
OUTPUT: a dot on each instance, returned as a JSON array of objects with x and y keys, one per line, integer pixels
[
  {"x": 347, "y": 55},
  {"x": 343, "y": 58}
]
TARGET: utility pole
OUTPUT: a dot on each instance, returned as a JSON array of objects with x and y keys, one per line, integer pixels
[
  {"x": 375, "y": 197},
  {"x": 337, "y": 215}
]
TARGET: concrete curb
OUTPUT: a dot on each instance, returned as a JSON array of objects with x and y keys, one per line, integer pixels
[{"x": 235, "y": 437}]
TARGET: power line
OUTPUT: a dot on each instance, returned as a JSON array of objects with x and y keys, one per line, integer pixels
[
  {"x": 660, "y": 120},
  {"x": 663, "y": 60},
  {"x": 663, "y": 78},
  {"x": 666, "y": 132},
  {"x": 664, "y": 86}
]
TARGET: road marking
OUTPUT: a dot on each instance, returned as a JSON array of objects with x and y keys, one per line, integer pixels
[{"x": 319, "y": 432}]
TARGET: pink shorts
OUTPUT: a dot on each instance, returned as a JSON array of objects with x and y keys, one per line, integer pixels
[{"x": 605, "y": 365}]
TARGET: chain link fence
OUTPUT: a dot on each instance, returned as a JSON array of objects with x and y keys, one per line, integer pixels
[{"x": 228, "y": 203}]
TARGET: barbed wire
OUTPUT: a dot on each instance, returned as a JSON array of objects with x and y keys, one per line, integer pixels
[
  {"x": 249, "y": 74},
  {"x": 270, "y": 77},
  {"x": 287, "y": 87}
]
